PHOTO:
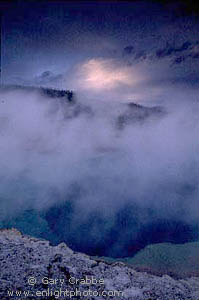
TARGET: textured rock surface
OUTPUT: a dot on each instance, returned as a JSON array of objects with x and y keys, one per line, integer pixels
[{"x": 56, "y": 269}]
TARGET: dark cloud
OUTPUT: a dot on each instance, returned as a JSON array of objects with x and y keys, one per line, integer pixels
[
  {"x": 57, "y": 36},
  {"x": 179, "y": 59},
  {"x": 47, "y": 78},
  {"x": 128, "y": 50},
  {"x": 167, "y": 51}
]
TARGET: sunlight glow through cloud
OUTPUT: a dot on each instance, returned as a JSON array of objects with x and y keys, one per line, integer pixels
[{"x": 104, "y": 74}]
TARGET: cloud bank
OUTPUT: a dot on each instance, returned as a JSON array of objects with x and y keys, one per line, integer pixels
[{"x": 51, "y": 157}]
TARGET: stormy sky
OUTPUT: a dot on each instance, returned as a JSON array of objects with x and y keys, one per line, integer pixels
[
  {"x": 99, "y": 166},
  {"x": 128, "y": 50}
]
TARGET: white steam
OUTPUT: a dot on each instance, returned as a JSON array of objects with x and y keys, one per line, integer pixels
[{"x": 43, "y": 153}]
